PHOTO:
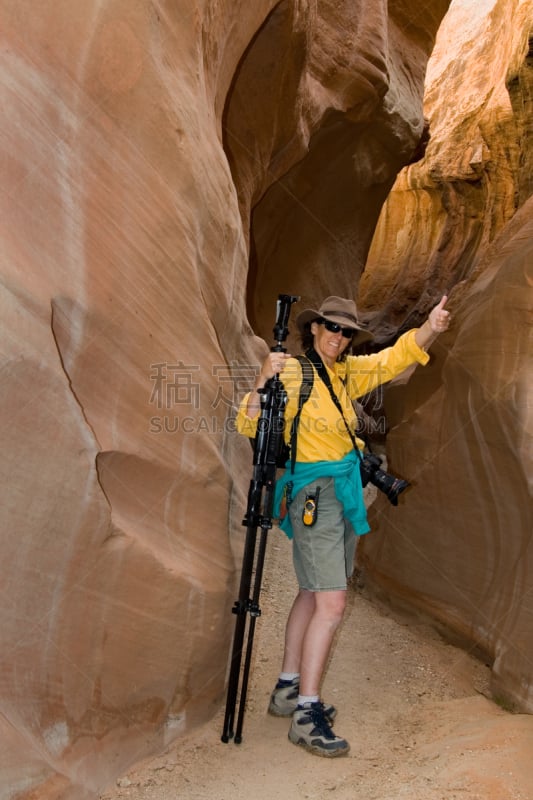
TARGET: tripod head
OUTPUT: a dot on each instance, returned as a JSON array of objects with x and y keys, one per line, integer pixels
[{"x": 281, "y": 330}]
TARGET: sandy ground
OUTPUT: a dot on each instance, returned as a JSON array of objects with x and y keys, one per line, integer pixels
[{"x": 416, "y": 711}]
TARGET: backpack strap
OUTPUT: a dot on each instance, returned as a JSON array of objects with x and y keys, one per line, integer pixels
[{"x": 308, "y": 379}]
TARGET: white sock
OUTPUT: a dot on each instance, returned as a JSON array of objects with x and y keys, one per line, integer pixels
[
  {"x": 307, "y": 698},
  {"x": 288, "y": 676}
]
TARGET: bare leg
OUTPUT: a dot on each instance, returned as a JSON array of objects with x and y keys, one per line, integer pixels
[
  {"x": 329, "y": 609},
  {"x": 311, "y": 626},
  {"x": 300, "y": 614}
]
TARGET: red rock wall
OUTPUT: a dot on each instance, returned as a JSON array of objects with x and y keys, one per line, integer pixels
[
  {"x": 458, "y": 549},
  {"x": 109, "y": 261},
  {"x": 317, "y": 135},
  {"x": 121, "y": 249},
  {"x": 125, "y": 233}
]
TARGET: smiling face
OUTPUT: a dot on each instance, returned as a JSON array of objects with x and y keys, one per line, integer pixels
[{"x": 329, "y": 346}]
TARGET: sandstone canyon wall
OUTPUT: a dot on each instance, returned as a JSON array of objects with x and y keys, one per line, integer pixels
[
  {"x": 138, "y": 141},
  {"x": 461, "y": 221}
]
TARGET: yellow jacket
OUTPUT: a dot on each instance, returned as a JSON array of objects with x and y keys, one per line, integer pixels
[{"x": 322, "y": 434}]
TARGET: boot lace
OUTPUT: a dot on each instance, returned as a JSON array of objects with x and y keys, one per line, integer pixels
[{"x": 320, "y": 721}]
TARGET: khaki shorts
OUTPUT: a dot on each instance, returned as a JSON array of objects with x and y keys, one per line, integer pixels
[{"x": 323, "y": 554}]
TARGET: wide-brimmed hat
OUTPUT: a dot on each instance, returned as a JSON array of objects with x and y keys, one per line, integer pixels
[{"x": 339, "y": 310}]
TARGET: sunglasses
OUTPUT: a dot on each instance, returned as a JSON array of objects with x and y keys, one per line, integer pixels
[{"x": 334, "y": 327}]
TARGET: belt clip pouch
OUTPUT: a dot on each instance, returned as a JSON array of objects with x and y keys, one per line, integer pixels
[{"x": 310, "y": 512}]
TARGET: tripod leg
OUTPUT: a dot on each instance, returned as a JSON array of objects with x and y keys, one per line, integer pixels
[
  {"x": 240, "y": 609},
  {"x": 254, "y": 613}
]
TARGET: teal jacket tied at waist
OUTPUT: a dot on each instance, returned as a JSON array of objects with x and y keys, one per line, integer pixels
[{"x": 348, "y": 488}]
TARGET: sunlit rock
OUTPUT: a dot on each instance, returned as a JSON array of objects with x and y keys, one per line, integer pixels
[{"x": 459, "y": 546}]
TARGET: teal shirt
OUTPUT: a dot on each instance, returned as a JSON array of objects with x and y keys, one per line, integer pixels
[{"x": 346, "y": 474}]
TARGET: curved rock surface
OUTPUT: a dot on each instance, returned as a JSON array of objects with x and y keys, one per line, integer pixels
[
  {"x": 149, "y": 152},
  {"x": 459, "y": 547}
]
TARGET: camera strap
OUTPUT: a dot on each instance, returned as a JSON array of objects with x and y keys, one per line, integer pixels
[{"x": 322, "y": 371}]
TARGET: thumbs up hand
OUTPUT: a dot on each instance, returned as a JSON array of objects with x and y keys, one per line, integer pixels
[{"x": 439, "y": 318}]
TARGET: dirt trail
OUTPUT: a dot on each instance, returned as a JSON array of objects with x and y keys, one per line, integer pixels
[{"x": 415, "y": 710}]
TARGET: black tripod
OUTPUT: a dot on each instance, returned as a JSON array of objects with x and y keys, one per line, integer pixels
[{"x": 268, "y": 449}]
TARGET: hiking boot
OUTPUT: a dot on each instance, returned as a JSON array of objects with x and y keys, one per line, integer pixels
[
  {"x": 311, "y": 729},
  {"x": 284, "y": 700}
]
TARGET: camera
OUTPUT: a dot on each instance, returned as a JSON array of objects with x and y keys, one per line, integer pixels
[{"x": 388, "y": 484}]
